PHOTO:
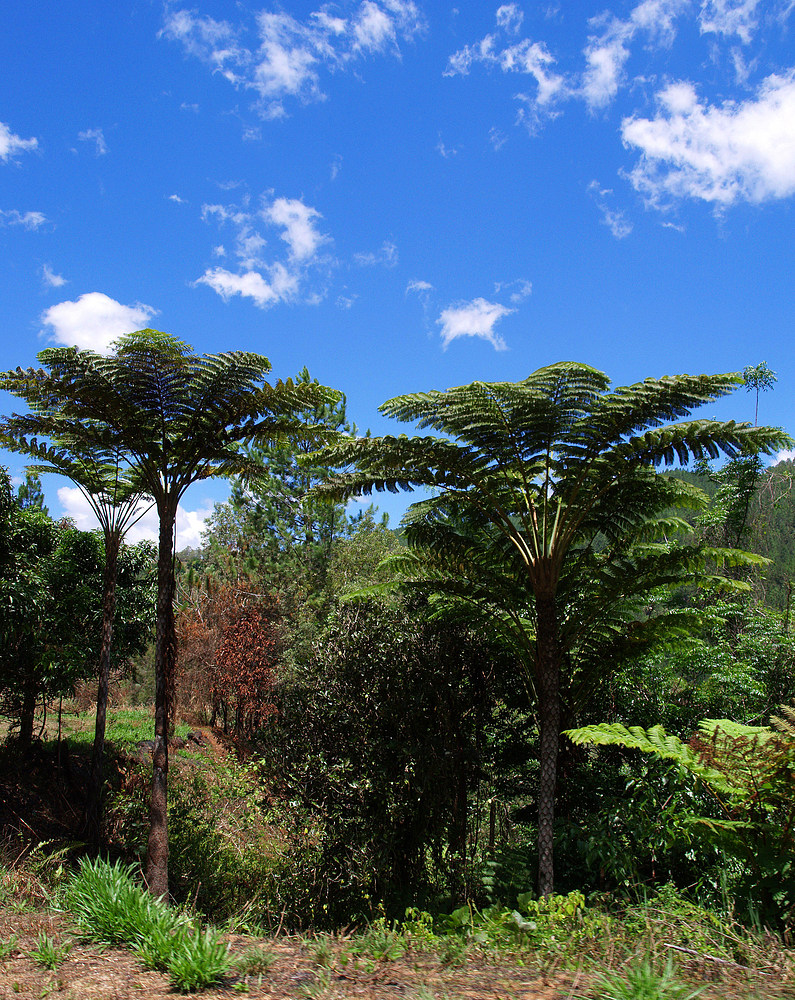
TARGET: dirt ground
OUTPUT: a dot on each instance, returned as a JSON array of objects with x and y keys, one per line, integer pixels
[
  {"x": 89, "y": 972},
  {"x": 93, "y": 973}
]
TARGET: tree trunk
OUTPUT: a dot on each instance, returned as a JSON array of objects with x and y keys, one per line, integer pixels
[
  {"x": 93, "y": 813},
  {"x": 165, "y": 656},
  {"x": 548, "y": 675}
]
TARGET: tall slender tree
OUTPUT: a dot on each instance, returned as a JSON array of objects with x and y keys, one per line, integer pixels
[
  {"x": 115, "y": 496},
  {"x": 553, "y": 467},
  {"x": 177, "y": 418}
]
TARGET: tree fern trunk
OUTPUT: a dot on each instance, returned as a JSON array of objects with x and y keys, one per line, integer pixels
[
  {"x": 165, "y": 655},
  {"x": 548, "y": 675},
  {"x": 93, "y": 812}
]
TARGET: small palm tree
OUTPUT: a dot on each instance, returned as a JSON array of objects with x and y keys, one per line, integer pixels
[
  {"x": 550, "y": 470},
  {"x": 176, "y": 418}
]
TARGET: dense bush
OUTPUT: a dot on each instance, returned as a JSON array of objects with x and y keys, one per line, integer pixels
[{"x": 380, "y": 737}]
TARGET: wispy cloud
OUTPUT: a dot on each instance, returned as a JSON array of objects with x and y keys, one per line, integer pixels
[
  {"x": 730, "y": 17},
  {"x": 510, "y": 17},
  {"x": 608, "y": 48},
  {"x": 517, "y": 290},
  {"x": 266, "y": 278},
  {"x": 615, "y": 220},
  {"x": 50, "y": 278},
  {"x": 446, "y": 151},
  {"x": 11, "y": 144},
  {"x": 387, "y": 255},
  {"x": 477, "y": 318},
  {"x": 177, "y": 199},
  {"x": 291, "y": 54},
  {"x": 527, "y": 57},
  {"x": 735, "y": 151},
  {"x": 29, "y": 220},
  {"x": 96, "y": 136},
  {"x": 94, "y": 321}
]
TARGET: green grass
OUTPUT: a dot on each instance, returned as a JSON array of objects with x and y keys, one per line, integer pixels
[
  {"x": 48, "y": 953},
  {"x": 644, "y": 982},
  {"x": 110, "y": 907},
  {"x": 8, "y": 946},
  {"x": 125, "y": 727}
]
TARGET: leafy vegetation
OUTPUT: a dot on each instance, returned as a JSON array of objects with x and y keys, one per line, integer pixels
[{"x": 372, "y": 731}]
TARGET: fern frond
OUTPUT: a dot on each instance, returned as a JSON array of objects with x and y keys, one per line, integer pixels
[{"x": 652, "y": 741}]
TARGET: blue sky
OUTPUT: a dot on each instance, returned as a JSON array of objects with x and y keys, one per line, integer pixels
[{"x": 403, "y": 194}]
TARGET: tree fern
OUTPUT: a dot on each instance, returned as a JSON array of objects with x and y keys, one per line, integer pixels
[{"x": 175, "y": 418}]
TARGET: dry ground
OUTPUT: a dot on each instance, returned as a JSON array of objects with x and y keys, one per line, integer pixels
[{"x": 89, "y": 972}]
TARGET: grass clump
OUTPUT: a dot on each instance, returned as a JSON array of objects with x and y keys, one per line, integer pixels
[
  {"x": 255, "y": 961},
  {"x": 110, "y": 907},
  {"x": 197, "y": 959},
  {"x": 8, "y": 946},
  {"x": 643, "y": 982},
  {"x": 48, "y": 953}
]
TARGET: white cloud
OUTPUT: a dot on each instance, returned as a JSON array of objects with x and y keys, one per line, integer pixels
[
  {"x": 266, "y": 281},
  {"x": 51, "y": 278},
  {"x": 190, "y": 523},
  {"x": 473, "y": 319},
  {"x": 96, "y": 136},
  {"x": 94, "y": 320},
  {"x": 373, "y": 29},
  {"x": 30, "y": 220},
  {"x": 787, "y": 455},
  {"x": 729, "y": 17},
  {"x": 290, "y": 54},
  {"x": 279, "y": 287},
  {"x": 419, "y": 286},
  {"x": 527, "y": 57},
  {"x": 737, "y": 151},
  {"x": 386, "y": 255},
  {"x": 607, "y": 52},
  {"x": 297, "y": 220},
  {"x": 176, "y": 198},
  {"x": 510, "y": 17},
  {"x": 11, "y": 144}
]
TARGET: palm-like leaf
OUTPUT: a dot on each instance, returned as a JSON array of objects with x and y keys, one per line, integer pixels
[
  {"x": 548, "y": 513},
  {"x": 175, "y": 418}
]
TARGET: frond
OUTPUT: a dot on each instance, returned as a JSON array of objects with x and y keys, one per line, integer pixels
[
  {"x": 785, "y": 723},
  {"x": 652, "y": 741}
]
